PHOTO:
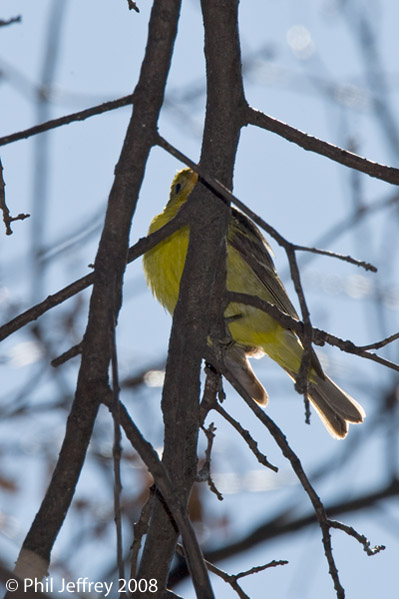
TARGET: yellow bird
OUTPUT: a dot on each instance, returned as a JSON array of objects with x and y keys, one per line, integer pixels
[{"x": 250, "y": 270}]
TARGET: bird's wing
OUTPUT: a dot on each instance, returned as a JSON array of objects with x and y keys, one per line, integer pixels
[{"x": 246, "y": 238}]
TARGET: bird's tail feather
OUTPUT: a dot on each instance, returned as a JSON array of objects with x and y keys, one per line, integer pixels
[
  {"x": 335, "y": 407},
  {"x": 237, "y": 363}
]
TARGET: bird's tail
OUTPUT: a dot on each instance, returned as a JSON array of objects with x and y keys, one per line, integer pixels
[
  {"x": 335, "y": 407},
  {"x": 237, "y": 363}
]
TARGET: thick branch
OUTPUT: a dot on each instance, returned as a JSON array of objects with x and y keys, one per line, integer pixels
[
  {"x": 171, "y": 497},
  {"x": 206, "y": 247},
  {"x": 106, "y": 297}
]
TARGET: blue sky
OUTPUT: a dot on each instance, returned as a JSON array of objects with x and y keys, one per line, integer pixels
[{"x": 302, "y": 64}]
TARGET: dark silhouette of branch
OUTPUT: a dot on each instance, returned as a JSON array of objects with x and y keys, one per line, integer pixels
[
  {"x": 180, "y": 398},
  {"x": 66, "y": 120},
  {"x": 7, "y": 218},
  {"x": 307, "y": 142},
  {"x": 318, "y": 336},
  {"x": 72, "y": 352},
  {"x": 361, "y": 263},
  {"x": 361, "y": 538},
  {"x": 176, "y": 509},
  {"x": 6, "y": 22},
  {"x": 110, "y": 264},
  {"x": 254, "y": 117},
  {"x": 205, "y": 473},
  {"x": 285, "y": 524},
  {"x": 231, "y": 579},
  {"x": 133, "y": 6},
  {"x": 281, "y": 441},
  {"x": 210, "y": 403},
  {"x": 69, "y": 291}
]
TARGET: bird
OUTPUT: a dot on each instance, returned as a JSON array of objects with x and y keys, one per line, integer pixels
[{"x": 253, "y": 332}]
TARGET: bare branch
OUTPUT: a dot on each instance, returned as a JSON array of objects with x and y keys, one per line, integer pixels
[
  {"x": 4, "y": 208},
  {"x": 361, "y": 263},
  {"x": 231, "y": 579},
  {"x": 92, "y": 386},
  {"x": 288, "y": 453},
  {"x": 282, "y": 524},
  {"x": 72, "y": 352},
  {"x": 256, "y": 569},
  {"x": 318, "y": 335},
  {"x": 170, "y": 496},
  {"x": 379, "y": 344},
  {"x": 361, "y": 538},
  {"x": 5, "y": 22},
  {"x": 66, "y": 120},
  {"x": 249, "y": 440},
  {"x": 132, "y": 5},
  {"x": 143, "y": 245},
  {"x": 205, "y": 473},
  {"x": 307, "y": 142}
]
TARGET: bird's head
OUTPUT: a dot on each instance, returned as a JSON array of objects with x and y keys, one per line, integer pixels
[{"x": 182, "y": 185}]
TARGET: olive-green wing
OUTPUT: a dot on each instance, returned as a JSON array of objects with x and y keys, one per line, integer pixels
[{"x": 245, "y": 237}]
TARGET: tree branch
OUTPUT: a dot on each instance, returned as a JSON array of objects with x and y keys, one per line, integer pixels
[
  {"x": 307, "y": 142},
  {"x": 208, "y": 226},
  {"x": 67, "y": 119},
  {"x": 282, "y": 524},
  {"x": 173, "y": 500},
  {"x": 7, "y": 218},
  {"x": 137, "y": 250},
  {"x": 110, "y": 264},
  {"x": 318, "y": 336}
]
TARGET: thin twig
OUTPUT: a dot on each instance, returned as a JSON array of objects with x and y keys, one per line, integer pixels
[
  {"x": 67, "y": 119},
  {"x": 139, "y": 248},
  {"x": 250, "y": 441},
  {"x": 296, "y": 465},
  {"x": 7, "y": 218},
  {"x": 319, "y": 337},
  {"x": 231, "y": 579},
  {"x": 133, "y": 6},
  {"x": 72, "y": 352},
  {"x": 256, "y": 569},
  {"x": 361, "y": 263},
  {"x": 5, "y": 22},
  {"x": 379, "y": 344},
  {"x": 205, "y": 473},
  {"x": 361, "y": 538}
]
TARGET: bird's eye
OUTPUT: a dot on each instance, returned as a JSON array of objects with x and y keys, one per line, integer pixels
[{"x": 177, "y": 188}]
